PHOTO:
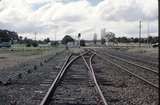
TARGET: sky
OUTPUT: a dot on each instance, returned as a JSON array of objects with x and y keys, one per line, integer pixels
[{"x": 57, "y": 18}]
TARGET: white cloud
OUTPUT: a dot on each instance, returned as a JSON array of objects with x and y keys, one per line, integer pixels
[
  {"x": 119, "y": 16},
  {"x": 128, "y": 10}
]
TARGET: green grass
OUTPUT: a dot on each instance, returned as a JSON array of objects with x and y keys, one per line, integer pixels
[
  {"x": 143, "y": 50},
  {"x": 22, "y": 50}
]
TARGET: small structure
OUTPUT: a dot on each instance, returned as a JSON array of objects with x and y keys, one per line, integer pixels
[
  {"x": 5, "y": 44},
  {"x": 45, "y": 45}
]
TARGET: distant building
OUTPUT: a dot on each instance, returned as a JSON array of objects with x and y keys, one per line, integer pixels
[
  {"x": 5, "y": 44},
  {"x": 45, "y": 45}
]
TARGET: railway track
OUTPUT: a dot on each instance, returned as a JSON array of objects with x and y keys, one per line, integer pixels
[
  {"x": 132, "y": 63},
  {"x": 138, "y": 60},
  {"x": 143, "y": 73},
  {"x": 75, "y": 84}
]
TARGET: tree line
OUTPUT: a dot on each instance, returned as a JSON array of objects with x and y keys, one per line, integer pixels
[
  {"x": 6, "y": 36},
  {"x": 10, "y": 36},
  {"x": 150, "y": 39}
]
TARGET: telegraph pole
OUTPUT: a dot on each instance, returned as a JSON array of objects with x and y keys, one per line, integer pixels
[
  {"x": 55, "y": 35},
  {"x": 79, "y": 36},
  {"x": 35, "y": 35},
  {"x": 56, "y": 29},
  {"x": 140, "y": 33},
  {"x": 148, "y": 35}
]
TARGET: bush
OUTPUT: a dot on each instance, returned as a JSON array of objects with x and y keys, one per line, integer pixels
[
  {"x": 82, "y": 43},
  {"x": 55, "y": 43},
  {"x": 103, "y": 41},
  {"x": 28, "y": 45},
  {"x": 35, "y": 44}
]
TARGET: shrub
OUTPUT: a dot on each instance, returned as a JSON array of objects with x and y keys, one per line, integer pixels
[
  {"x": 28, "y": 45},
  {"x": 82, "y": 43},
  {"x": 103, "y": 41},
  {"x": 54, "y": 43},
  {"x": 35, "y": 44}
]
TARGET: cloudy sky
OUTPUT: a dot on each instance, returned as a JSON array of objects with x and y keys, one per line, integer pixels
[{"x": 61, "y": 17}]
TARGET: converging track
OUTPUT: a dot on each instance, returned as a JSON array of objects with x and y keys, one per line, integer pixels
[
  {"x": 97, "y": 76},
  {"x": 143, "y": 73},
  {"x": 75, "y": 84},
  {"x": 139, "y": 60},
  {"x": 149, "y": 62}
]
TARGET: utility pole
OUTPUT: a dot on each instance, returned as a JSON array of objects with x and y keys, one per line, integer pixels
[
  {"x": 140, "y": 33},
  {"x": 148, "y": 35},
  {"x": 56, "y": 28},
  {"x": 94, "y": 38},
  {"x": 79, "y": 36},
  {"x": 55, "y": 35},
  {"x": 35, "y": 35}
]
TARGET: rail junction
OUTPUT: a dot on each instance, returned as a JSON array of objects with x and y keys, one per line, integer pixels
[
  {"x": 89, "y": 76},
  {"x": 77, "y": 84}
]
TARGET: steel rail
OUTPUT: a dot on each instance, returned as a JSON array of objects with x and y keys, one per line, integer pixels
[
  {"x": 50, "y": 92},
  {"x": 137, "y": 59},
  {"x": 141, "y": 60},
  {"x": 45, "y": 100},
  {"x": 129, "y": 62},
  {"x": 90, "y": 68},
  {"x": 124, "y": 69}
]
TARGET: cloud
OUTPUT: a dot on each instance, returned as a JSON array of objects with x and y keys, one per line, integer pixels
[
  {"x": 74, "y": 16},
  {"x": 128, "y": 10}
]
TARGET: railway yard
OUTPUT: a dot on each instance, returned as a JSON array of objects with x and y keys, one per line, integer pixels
[
  {"x": 79, "y": 52},
  {"x": 86, "y": 76}
]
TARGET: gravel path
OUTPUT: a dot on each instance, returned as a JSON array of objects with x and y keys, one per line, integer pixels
[{"x": 119, "y": 88}]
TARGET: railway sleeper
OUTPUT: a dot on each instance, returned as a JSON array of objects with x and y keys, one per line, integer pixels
[
  {"x": 78, "y": 83},
  {"x": 74, "y": 101}
]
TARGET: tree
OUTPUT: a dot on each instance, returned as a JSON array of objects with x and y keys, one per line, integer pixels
[
  {"x": 28, "y": 45},
  {"x": 109, "y": 35},
  {"x": 135, "y": 40},
  {"x": 34, "y": 44},
  {"x": 150, "y": 39},
  {"x": 123, "y": 39},
  {"x": 79, "y": 35},
  {"x": 6, "y": 36},
  {"x": 95, "y": 38},
  {"x": 103, "y": 41},
  {"x": 67, "y": 39},
  {"x": 46, "y": 40},
  {"x": 20, "y": 39}
]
